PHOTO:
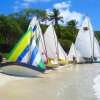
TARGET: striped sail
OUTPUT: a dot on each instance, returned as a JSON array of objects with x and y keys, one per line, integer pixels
[
  {"x": 27, "y": 51},
  {"x": 35, "y": 56},
  {"x": 20, "y": 53},
  {"x": 42, "y": 48}
]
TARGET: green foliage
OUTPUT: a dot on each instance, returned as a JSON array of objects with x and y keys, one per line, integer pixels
[
  {"x": 72, "y": 23},
  {"x": 9, "y": 30},
  {"x": 13, "y": 26},
  {"x": 41, "y": 14},
  {"x": 97, "y": 34},
  {"x": 43, "y": 27},
  {"x": 65, "y": 44},
  {"x": 55, "y": 17}
]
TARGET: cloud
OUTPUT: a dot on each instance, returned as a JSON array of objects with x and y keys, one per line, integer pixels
[
  {"x": 16, "y": 5},
  {"x": 66, "y": 13},
  {"x": 20, "y": 4},
  {"x": 25, "y": 5},
  {"x": 71, "y": 15},
  {"x": 62, "y": 5},
  {"x": 64, "y": 8}
]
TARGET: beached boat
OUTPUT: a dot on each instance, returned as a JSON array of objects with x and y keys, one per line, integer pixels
[
  {"x": 86, "y": 42},
  {"x": 26, "y": 52},
  {"x": 39, "y": 33},
  {"x": 55, "y": 52},
  {"x": 74, "y": 54}
]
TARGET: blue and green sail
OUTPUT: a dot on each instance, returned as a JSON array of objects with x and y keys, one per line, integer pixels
[{"x": 27, "y": 50}]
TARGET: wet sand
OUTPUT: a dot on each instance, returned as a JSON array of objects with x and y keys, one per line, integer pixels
[{"x": 69, "y": 83}]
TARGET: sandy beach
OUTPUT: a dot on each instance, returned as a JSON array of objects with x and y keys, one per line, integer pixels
[{"x": 69, "y": 83}]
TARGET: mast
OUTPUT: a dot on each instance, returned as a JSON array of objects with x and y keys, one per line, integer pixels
[
  {"x": 30, "y": 52},
  {"x": 93, "y": 46},
  {"x": 44, "y": 46},
  {"x": 45, "y": 50},
  {"x": 92, "y": 43},
  {"x": 75, "y": 51},
  {"x": 30, "y": 39}
]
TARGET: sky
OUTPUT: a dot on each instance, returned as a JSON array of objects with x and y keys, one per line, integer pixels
[{"x": 69, "y": 9}]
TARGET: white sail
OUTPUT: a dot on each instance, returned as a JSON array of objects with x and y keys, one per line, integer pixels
[
  {"x": 53, "y": 47},
  {"x": 96, "y": 48},
  {"x": 62, "y": 53},
  {"x": 86, "y": 42},
  {"x": 51, "y": 42},
  {"x": 73, "y": 52},
  {"x": 39, "y": 33}
]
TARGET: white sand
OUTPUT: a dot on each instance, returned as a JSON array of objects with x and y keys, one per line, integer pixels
[
  {"x": 69, "y": 83},
  {"x": 97, "y": 86},
  {"x": 4, "y": 79}
]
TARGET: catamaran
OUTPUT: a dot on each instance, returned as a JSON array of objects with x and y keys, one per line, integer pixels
[{"x": 86, "y": 42}]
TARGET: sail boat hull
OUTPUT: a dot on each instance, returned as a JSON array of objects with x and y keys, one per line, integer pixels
[{"x": 20, "y": 69}]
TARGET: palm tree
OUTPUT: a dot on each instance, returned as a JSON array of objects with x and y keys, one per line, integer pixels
[
  {"x": 72, "y": 23},
  {"x": 72, "y": 29},
  {"x": 55, "y": 17}
]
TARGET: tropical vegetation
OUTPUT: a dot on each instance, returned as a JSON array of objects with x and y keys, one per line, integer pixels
[{"x": 13, "y": 26}]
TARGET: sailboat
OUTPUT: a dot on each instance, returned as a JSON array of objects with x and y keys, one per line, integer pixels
[
  {"x": 39, "y": 33},
  {"x": 55, "y": 52},
  {"x": 74, "y": 53},
  {"x": 86, "y": 41},
  {"x": 26, "y": 54}
]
